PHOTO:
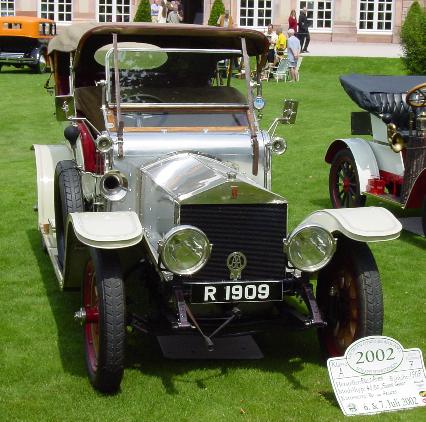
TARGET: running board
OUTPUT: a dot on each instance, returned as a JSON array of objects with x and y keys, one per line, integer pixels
[{"x": 188, "y": 346}]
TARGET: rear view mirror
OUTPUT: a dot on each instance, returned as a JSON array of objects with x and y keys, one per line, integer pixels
[
  {"x": 289, "y": 112},
  {"x": 65, "y": 107}
]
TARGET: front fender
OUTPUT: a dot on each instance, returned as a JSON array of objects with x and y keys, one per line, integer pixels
[
  {"x": 47, "y": 156},
  {"x": 104, "y": 230},
  {"x": 364, "y": 157},
  {"x": 367, "y": 224}
]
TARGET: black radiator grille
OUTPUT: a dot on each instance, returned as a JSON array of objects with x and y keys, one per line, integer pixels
[{"x": 256, "y": 230}]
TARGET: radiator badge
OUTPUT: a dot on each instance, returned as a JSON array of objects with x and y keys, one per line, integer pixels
[{"x": 236, "y": 262}]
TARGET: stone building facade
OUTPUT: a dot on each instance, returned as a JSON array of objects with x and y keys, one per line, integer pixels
[{"x": 330, "y": 20}]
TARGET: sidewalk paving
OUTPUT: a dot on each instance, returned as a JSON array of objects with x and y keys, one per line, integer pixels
[{"x": 349, "y": 49}]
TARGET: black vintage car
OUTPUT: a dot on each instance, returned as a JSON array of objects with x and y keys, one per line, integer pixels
[{"x": 23, "y": 41}]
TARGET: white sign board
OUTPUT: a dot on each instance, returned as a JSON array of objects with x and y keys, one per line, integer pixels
[{"x": 377, "y": 375}]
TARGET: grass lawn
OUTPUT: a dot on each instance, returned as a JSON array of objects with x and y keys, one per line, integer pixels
[{"x": 42, "y": 373}]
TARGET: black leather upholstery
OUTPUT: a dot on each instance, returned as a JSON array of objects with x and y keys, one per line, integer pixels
[{"x": 393, "y": 104}]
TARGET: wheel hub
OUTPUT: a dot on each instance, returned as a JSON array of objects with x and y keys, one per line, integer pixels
[{"x": 346, "y": 184}]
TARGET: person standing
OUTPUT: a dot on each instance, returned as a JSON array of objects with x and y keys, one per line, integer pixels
[
  {"x": 293, "y": 52},
  {"x": 272, "y": 38},
  {"x": 174, "y": 15},
  {"x": 162, "y": 12},
  {"x": 292, "y": 21},
  {"x": 280, "y": 45},
  {"x": 225, "y": 20},
  {"x": 303, "y": 33},
  {"x": 154, "y": 11}
]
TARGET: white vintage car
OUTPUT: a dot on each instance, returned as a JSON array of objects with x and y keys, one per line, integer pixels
[
  {"x": 392, "y": 165},
  {"x": 158, "y": 204}
]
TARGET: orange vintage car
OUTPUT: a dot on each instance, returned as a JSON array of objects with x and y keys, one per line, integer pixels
[{"x": 23, "y": 41}]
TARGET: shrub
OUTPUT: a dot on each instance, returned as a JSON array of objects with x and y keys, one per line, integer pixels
[
  {"x": 217, "y": 9},
  {"x": 413, "y": 39},
  {"x": 143, "y": 14}
]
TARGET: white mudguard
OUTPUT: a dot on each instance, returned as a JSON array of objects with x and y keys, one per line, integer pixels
[
  {"x": 364, "y": 157},
  {"x": 47, "y": 156},
  {"x": 106, "y": 230},
  {"x": 367, "y": 224}
]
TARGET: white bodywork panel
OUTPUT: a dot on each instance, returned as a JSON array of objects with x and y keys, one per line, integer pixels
[
  {"x": 106, "y": 230},
  {"x": 368, "y": 224},
  {"x": 365, "y": 160},
  {"x": 387, "y": 160},
  {"x": 47, "y": 156}
]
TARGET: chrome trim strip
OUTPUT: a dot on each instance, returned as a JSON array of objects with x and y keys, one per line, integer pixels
[
  {"x": 215, "y": 283},
  {"x": 178, "y": 105}
]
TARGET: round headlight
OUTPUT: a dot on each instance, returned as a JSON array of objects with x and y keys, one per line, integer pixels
[
  {"x": 184, "y": 250},
  {"x": 310, "y": 247}
]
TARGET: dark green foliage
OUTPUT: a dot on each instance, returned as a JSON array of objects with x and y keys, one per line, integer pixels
[
  {"x": 413, "y": 39},
  {"x": 217, "y": 9},
  {"x": 143, "y": 14}
]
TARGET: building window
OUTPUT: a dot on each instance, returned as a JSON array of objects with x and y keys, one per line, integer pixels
[
  {"x": 7, "y": 7},
  {"x": 255, "y": 13},
  {"x": 320, "y": 14},
  {"x": 114, "y": 10},
  {"x": 57, "y": 10},
  {"x": 375, "y": 15}
]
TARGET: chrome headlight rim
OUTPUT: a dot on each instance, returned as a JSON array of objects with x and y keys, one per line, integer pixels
[
  {"x": 296, "y": 232},
  {"x": 164, "y": 242}
]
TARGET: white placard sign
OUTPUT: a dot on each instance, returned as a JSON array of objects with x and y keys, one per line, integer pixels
[{"x": 377, "y": 375}]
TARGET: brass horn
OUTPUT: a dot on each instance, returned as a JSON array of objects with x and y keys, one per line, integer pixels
[{"x": 395, "y": 139}]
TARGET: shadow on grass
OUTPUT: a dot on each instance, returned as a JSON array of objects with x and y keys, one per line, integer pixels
[
  {"x": 63, "y": 305},
  {"x": 413, "y": 239},
  {"x": 286, "y": 350}
]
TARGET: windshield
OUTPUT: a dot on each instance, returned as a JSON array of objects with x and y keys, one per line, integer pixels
[{"x": 152, "y": 75}]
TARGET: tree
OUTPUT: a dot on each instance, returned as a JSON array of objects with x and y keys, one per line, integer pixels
[
  {"x": 143, "y": 14},
  {"x": 217, "y": 9},
  {"x": 413, "y": 40}
]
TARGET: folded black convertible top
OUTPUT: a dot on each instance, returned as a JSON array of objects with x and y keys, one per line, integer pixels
[{"x": 363, "y": 89}]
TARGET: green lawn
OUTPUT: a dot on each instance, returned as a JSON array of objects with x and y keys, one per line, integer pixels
[{"x": 42, "y": 373}]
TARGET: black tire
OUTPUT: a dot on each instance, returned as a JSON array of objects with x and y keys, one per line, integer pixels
[
  {"x": 343, "y": 181},
  {"x": 349, "y": 295},
  {"x": 104, "y": 328},
  {"x": 68, "y": 198},
  {"x": 41, "y": 65}
]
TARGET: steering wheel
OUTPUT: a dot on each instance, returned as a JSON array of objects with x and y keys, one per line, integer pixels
[
  {"x": 138, "y": 98},
  {"x": 416, "y": 97}
]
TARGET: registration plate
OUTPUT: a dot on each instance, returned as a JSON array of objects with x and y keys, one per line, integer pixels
[{"x": 250, "y": 291}]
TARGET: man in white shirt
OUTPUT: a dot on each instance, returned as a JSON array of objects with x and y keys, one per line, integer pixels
[{"x": 272, "y": 37}]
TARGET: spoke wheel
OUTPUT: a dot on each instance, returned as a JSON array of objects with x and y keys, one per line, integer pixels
[
  {"x": 344, "y": 181},
  {"x": 68, "y": 198},
  {"x": 104, "y": 327},
  {"x": 349, "y": 295}
]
